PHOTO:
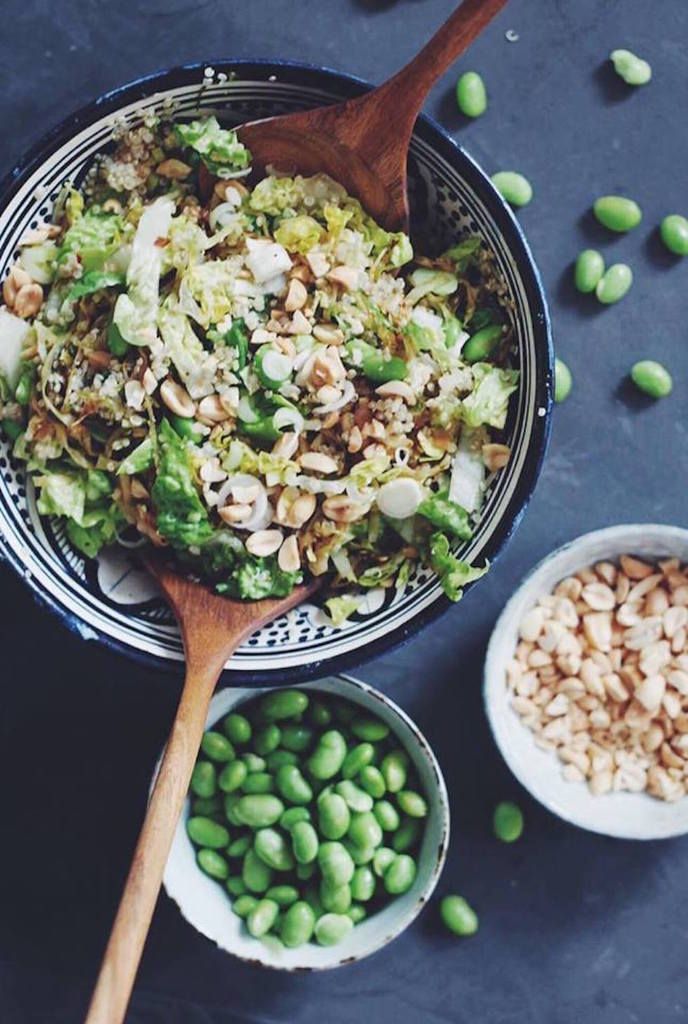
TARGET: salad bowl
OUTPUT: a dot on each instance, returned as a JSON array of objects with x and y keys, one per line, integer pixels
[{"x": 111, "y": 599}]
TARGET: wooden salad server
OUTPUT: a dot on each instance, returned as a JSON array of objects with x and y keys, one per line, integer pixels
[{"x": 362, "y": 143}]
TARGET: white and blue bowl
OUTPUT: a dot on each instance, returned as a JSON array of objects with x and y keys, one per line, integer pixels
[{"x": 110, "y": 600}]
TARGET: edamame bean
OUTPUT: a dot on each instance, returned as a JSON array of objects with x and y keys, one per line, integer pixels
[
  {"x": 239, "y": 847},
  {"x": 304, "y": 842},
  {"x": 319, "y": 714},
  {"x": 507, "y": 821},
  {"x": 213, "y": 863},
  {"x": 259, "y": 782},
  {"x": 365, "y": 830},
  {"x": 336, "y": 865},
  {"x": 237, "y": 729},
  {"x": 204, "y": 779},
  {"x": 387, "y": 815},
  {"x": 332, "y": 928},
  {"x": 381, "y": 368},
  {"x": 305, "y": 871},
  {"x": 618, "y": 213},
  {"x": 206, "y": 805},
  {"x": 293, "y": 815},
  {"x": 278, "y": 758},
  {"x": 259, "y": 810},
  {"x": 328, "y": 756},
  {"x": 674, "y": 232},
  {"x": 283, "y": 895},
  {"x": 652, "y": 378},
  {"x": 333, "y": 815},
  {"x": 255, "y": 872},
  {"x": 356, "y": 759},
  {"x": 360, "y": 855},
  {"x": 406, "y": 835},
  {"x": 217, "y": 747},
  {"x": 336, "y": 899},
  {"x": 588, "y": 270},
  {"x": 253, "y": 762},
  {"x": 371, "y": 780},
  {"x": 268, "y": 739},
  {"x": 363, "y": 884},
  {"x": 236, "y": 886},
  {"x": 296, "y": 737},
  {"x": 206, "y": 832},
  {"x": 369, "y": 729},
  {"x": 356, "y": 912},
  {"x": 357, "y": 799},
  {"x": 482, "y": 344},
  {"x": 292, "y": 785},
  {"x": 563, "y": 381},
  {"x": 273, "y": 850},
  {"x": 283, "y": 704},
  {"x": 513, "y": 187},
  {"x": 412, "y": 804},
  {"x": 393, "y": 770},
  {"x": 297, "y": 924},
  {"x": 230, "y": 805},
  {"x": 471, "y": 95},
  {"x": 400, "y": 875},
  {"x": 458, "y": 915},
  {"x": 634, "y": 70},
  {"x": 262, "y": 917},
  {"x": 232, "y": 776},
  {"x": 383, "y": 857},
  {"x": 614, "y": 284},
  {"x": 243, "y": 905}
]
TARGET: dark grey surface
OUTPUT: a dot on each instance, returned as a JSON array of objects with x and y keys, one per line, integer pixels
[{"x": 574, "y": 927}]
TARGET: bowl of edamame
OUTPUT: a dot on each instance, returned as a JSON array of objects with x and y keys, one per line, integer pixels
[{"x": 316, "y": 826}]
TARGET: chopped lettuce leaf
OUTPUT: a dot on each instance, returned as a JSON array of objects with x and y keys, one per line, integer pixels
[
  {"x": 99, "y": 527},
  {"x": 62, "y": 494},
  {"x": 182, "y": 516},
  {"x": 298, "y": 234},
  {"x": 445, "y": 514},
  {"x": 275, "y": 195},
  {"x": 139, "y": 460},
  {"x": 467, "y": 473},
  {"x": 94, "y": 281},
  {"x": 218, "y": 148},
  {"x": 340, "y": 608},
  {"x": 427, "y": 281},
  {"x": 182, "y": 345},
  {"x": 453, "y": 573},
  {"x": 84, "y": 499},
  {"x": 256, "y": 578},
  {"x": 488, "y": 402},
  {"x": 464, "y": 252},
  {"x": 136, "y": 312},
  {"x": 93, "y": 238},
  {"x": 39, "y": 261}
]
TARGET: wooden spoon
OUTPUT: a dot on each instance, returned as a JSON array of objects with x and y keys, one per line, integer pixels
[
  {"x": 212, "y": 628},
  {"x": 363, "y": 143}
]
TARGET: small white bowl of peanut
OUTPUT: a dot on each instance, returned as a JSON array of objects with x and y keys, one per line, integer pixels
[{"x": 586, "y": 682}]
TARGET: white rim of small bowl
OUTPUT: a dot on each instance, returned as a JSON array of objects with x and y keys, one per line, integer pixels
[
  {"x": 188, "y": 887},
  {"x": 620, "y": 815}
]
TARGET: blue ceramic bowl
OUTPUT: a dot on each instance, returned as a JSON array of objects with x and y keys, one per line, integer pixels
[{"x": 112, "y": 601}]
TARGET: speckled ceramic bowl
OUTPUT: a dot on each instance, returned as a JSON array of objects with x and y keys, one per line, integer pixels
[
  {"x": 206, "y": 906},
  {"x": 109, "y": 599},
  {"x": 623, "y": 815}
]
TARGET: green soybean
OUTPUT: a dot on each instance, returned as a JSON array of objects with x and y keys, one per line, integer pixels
[
  {"x": 304, "y": 842},
  {"x": 230, "y": 806},
  {"x": 328, "y": 756},
  {"x": 259, "y": 782},
  {"x": 296, "y": 738},
  {"x": 563, "y": 381},
  {"x": 204, "y": 779},
  {"x": 634, "y": 70},
  {"x": 380, "y": 369},
  {"x": 412, "y": 803},
  {"x": 236, "y": 886},
  {"x": 369, "y": 729},
  {"x": 239, "y": 847},
  {"x": 283, "y": 704},
  {"x": 319, "y": 714},
  {"x": 356, "y": 912},
  {"x": 283, "y": 895},
  {"x": 588, "y": 270},
  {"x": 387, "y": 815},
  {"x": 273, "y": 849},
  {"x": 217, "y": 747},
  {"x": 332, "y": 928},
  {"x": 363, "y": 884},
  {"x": 262, "y": 917},
  {"x": 513, "y": 187},
  {"x": 237, "y": 729},
  {"x": 305, "y": 871},
  {"x": 293, "y": 786},
  {"x": 206, "y": 832},
  {"x": 674, "y": 234},
  {"x": 356, "y": 798},
  {"x": 652, "y": 378},
  {"x": 400, "y": 875},
  {"x": 336, "y": 899},
  {"x": 383, "y": 857},
  {"x": 482, "y": 344},
  {"x": 268, "y": 739},
  {"x": 278, "y": 758},
  {"x": 336, "y": 865},
  {"x": 394, "y": 770},
  {"x": 206, "y": 805},
  {"x": 471, "y": 95},
  {"x": 257, "y": 875},
  {"x": 507, "y": 821},
  {"x": 357, "y": 759},
  {"x": 372, "y": 781},
  {"x": 360, "y": 855},
  {"x": 458, "y": 916},
  {"x": 365, "y": 830},
  {"x": 243, "y": 905},
  {"x": 406, "y": 835},
  {"x": 253, "y": 762},
  {"x": 293, "y": 815},
  {"x": 259, "y": 810},
  {"x": 297, "y": 924},
  {"x": 617, "y": 213},
  {"x": 614, "y": 283},
  {"x": 232, "y": 776},
  {"x": 333, "y": 815},
  {"x": 213, "y": 863}
]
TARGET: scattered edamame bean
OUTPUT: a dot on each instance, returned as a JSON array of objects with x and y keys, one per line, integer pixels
[
  {"x": 332, "y": 928},
  {"x": 268, "y": 739},
  {"x": 618, "y": 213},
  {"x": 278, "y": 758},
  {"x": 588, "y": 270},
  {"x": 369, "y": 729},
  {"x": 236, "y": 886},
  {"x": 387, "y": 815},
  {"x": 507, "y": 821},
  {"x": 674, "y": 232},
  {"x": 328, "y": 756},
  {"x": 513, "y": 187},
  {"x": 335, "y": 863},
  {"x": 357, "y": 759},
  {"x": 333, "y": 815},
  {"x": 458, "y": 916},
  {"x": 206, "y": 805},
  {"x": 383, "y": 857},
  {"x": 283, "y": 895},
  {"x": 372, "y": 781},
  {"x": 206, "y": 832},
  {"x": 255, "y": 872},
  {"x": 273, "y": 849},
  {"x": 365, "y": 831},
  {"x": 562, "y": 381},
  {"x": 356, "y": 912},
  {"x": 363, "y": 884},
  {"x": 357, "y": 799},
  {"x": 296, "y": 738},
  {"x": 304, "y": 842},
  {"x": 253, "y": 762},
  {"x": 406, "y": 835},
  {"x": 634, "y": 70},
  {"x": 335, "y": 899},
  {"x": 652, "y": 378},
  {"x": 259, "y": 782},
  {"x": 239, "y": 846},
  {"x": 259, "y": 810},
  {"x": 614, "y": 284},
  {"x": 292, "y": 785},
  {"x": 293, "y": 815},
  {"x": 471, "y": 95},
  {"x": 393, "y": 770}
]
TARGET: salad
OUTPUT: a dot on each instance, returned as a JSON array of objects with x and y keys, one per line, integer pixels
[{"x": 252, "y": 373}]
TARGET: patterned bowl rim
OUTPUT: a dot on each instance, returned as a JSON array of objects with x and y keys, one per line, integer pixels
[{"x": 351, "y": 85}]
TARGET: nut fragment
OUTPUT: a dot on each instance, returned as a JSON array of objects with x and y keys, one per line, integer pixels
[
  {"x": 233, "y": 514},
  {"x": 28, "y": 300},
  {"x": 318, "y": 462},
  {"x": 397, "y": 389},
  {"x": 342, "y": 509},
  {"x": 288, "y": 558},
  {"x": 212, "y": 409},
  {"x": 15, "y": 280},
  {"x": 495, "y": 456},
  {"x": 328, "y": 334},
  {"x": 264, "y": 542},
  {"x": 175, "y": 170},
  {"x": 177, "y": 399},
  {"x": 296, "y": 296}
]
